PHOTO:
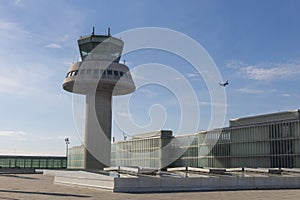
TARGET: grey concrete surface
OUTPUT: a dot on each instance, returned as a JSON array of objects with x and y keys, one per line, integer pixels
[
  {"x": 37, "y": 186},
  {"x": 142, "y": 184}
]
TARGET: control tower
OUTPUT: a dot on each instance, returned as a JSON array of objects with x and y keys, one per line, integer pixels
[{"x": 99, "y": 76}]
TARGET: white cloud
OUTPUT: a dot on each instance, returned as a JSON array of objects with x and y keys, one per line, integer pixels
[
  {"x": 11, "y": 30},
  {"x": 192, "y": 75},
  {"x": 65, "y": 37},
  {"x": 207, "y": 103},
  {"x": 12, "y": 133},
  {"x": 53, "y": 46},
  {"x": 18, "y": 2},
  {"x": 148, "y": 92},
  {"x": 138, "y": 76},
  {"x": 24, "y": 136},
  {"x": 14, "y": 81},
  {"x": 9, "y": 26},
  {"x": 271, "y": 71},
  {"x": 250, "y": 91},
  {"x": 255, "y": 91},
  {"x": 29, "y": 82},
  {"x": 286, "y": 95},
  {"x": 234, "y": 64},
  {"x": 195, "y": 76}
]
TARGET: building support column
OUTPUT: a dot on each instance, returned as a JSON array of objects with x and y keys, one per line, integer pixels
[{"x": 98, "y": 130}]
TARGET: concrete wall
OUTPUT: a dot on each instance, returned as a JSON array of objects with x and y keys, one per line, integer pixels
[
  {"x": 167, "y": 184},
  {"x": 81, "y": 178},
  {"x": 173, "y": 184}
]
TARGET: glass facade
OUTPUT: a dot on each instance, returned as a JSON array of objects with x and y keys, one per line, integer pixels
[
  {"x": 266, "y": 145},
  {"x": 105, "y": 74},
  {"x": 38, "y": 162},
  {"x": 187, "y": 149},
  {"x": 265, "y": 141},
  {"x": 75, "y": 157},
  {"x": 147, "y": 152},
  {"x": 103, "y": 47}
]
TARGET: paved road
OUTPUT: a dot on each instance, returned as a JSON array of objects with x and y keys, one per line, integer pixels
[{"x": 37, "y": 186}]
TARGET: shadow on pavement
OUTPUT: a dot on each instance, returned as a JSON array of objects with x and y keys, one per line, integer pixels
[
  {"x": 16, "y": 176},
  {"x": 46, "y": 193}
]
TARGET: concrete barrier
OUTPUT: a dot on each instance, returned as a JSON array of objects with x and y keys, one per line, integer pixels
[
  {"x": 246, "y": 183},
  {"x": 86, "y": 182},
  {"x": 81, "y": 178},
  {"x": 141, "y": 184},
  {"x": 170, "y": 184},
  {"x": 127, "y": 185}
]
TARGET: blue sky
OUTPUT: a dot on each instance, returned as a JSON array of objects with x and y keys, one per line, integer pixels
[{"x": 255, "y": 45}]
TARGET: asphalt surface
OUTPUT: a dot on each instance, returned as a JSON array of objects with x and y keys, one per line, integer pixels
[{"x": 37, "y": 186}]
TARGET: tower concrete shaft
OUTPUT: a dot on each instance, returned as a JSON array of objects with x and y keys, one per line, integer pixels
[{"x": 98, "y": 130}]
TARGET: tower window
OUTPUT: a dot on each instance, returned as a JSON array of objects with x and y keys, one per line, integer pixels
[{"x": 109, "y": 72}]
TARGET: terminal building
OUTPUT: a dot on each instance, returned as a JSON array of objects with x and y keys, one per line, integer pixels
[
  {"x": 34, "y": 162},
  {"x": 263, "y": 141}
]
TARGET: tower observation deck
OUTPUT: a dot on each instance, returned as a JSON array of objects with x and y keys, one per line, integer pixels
[{"x": 99, "y": 76}]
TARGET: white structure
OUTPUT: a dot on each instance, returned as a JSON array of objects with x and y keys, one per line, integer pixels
[{"x": 99, "y": 76}]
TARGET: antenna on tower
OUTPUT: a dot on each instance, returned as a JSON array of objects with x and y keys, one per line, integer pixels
[
  {"x": 93, "y": 33},
  {"x": 108, "y": 31}
]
